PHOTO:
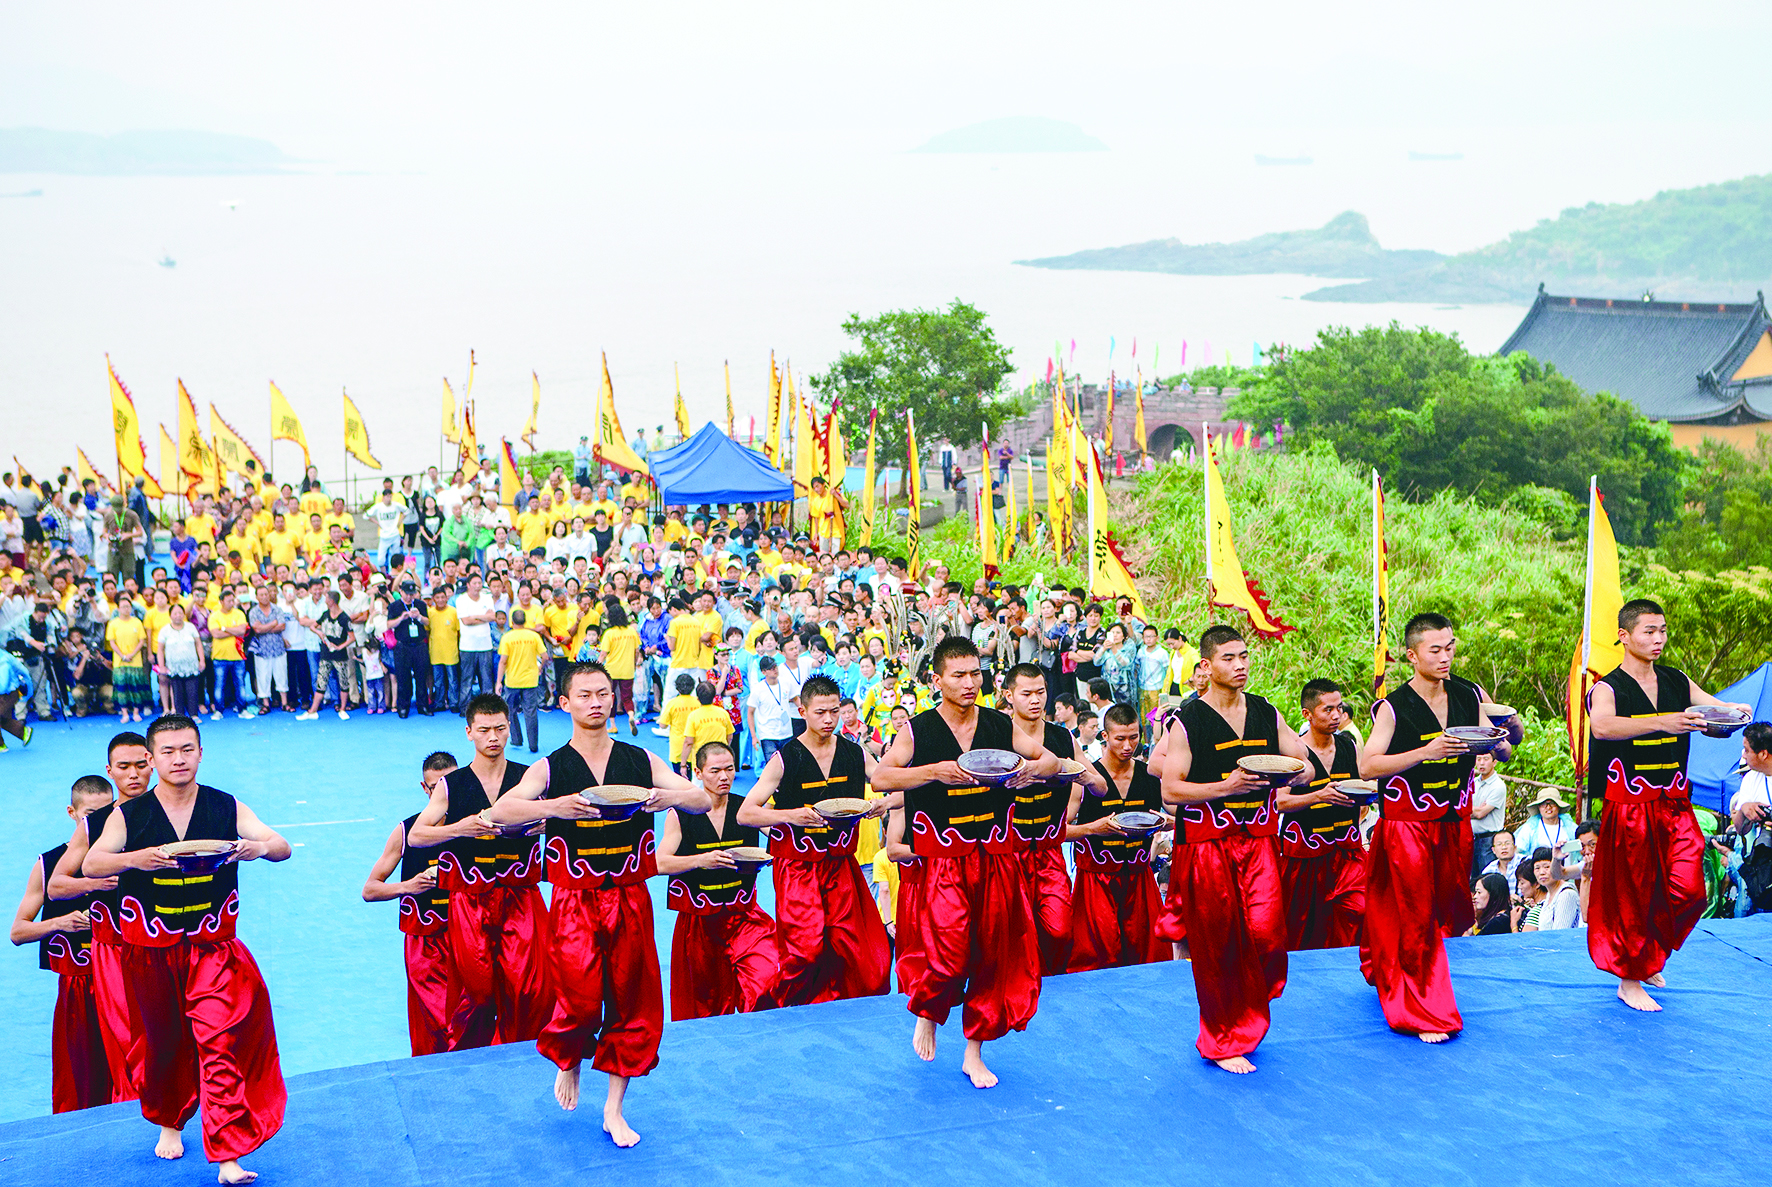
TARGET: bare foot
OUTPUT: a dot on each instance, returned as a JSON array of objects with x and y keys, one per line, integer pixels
[
  {"x": 1433, "y": 1036},
  {"x": 923, "y": 1039},
  {"x": 566, "y": 1088},
  {"x": 1659, "y": 981},
  {"x": 1632, "y": 994},
  {"x": 1237, "y": 1064},
  {"x": 171, "y": 1143},
  {"x": 973, "y": 1065},
  {"x": 232, "y": 1172},
  {"x": 618, "y": 1130}
]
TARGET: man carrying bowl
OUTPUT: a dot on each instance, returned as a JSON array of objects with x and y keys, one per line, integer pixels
[
  {"x": 1115, "y": 903},
  {"x": 1322, "y": 859},
  {"x": 1648, "y": 868}
]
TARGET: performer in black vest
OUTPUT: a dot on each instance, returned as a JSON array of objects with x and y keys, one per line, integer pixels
[
  {"x": 975, "y": 940},
  {"x": 1039, "y": 815},
  {"x": 424, "y": 917},
  {"x": 832, "y": 941},
  {"x": 1224, "y": 870},
  {"x": 196, "y": 988},
  {"x": 1648, "y": 871},
  {"x": 610, "y": 1002},
  {"x": 129, "y": 768},
  {"x": 724, "y": 958},
  {"x": 1418, "y": 869},
  {"x": 501, "y": 987},
  {"x": 1322, "y": 860},
  {"x": 1115, "y": 904},
  {"x": 80, "y": 1077}
]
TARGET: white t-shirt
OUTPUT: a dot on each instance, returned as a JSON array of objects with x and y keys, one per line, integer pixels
[
  {"x": 772, "y": 707},
  {"x": 1755, "y": 789},
  {"x": 181, "y": 645},
  {"x": 387, "y": 518},
  {"x": 475, "y": 636},
  {"x": 1489, "y": 793}
]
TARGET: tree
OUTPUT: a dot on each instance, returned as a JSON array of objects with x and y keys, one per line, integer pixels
[
  {"x": 1431, "y": 416},
  {"x": 945, "y": 365}
]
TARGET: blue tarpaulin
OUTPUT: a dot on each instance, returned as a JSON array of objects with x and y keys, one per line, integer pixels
[
  {"x": 710, "y": 467},
  {"x": 1714, "y": 760}
]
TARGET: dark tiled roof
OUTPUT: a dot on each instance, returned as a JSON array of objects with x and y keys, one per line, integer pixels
[{"x": 1672, "y": 359}]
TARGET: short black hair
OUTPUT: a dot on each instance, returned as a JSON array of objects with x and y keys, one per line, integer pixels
[
  {"x": 90, "y": 785},
  {"x": 171, "y": 723},
  {"x": 685, "y": 684},
  {"x": 438, "y": 760},
  {"x": 1586, "y": 827},
  {"x": 1420, "y": 625},
  {"x": 588, "y": 668},
  {"x": 487, "y": 705},
  {"x": 1758, "y": 736},
  {"x": 1215, "y": 637},
  {"x": 704, "y": 692},
  {"x": 1316, "y": 690},
  {"x": 1022, "y": 672},
  {"x": 708, "y": 749},
  {"x": 820, "y": 686},
  {"x": 1099, "y": 687},
  {"x": 1635, "y": 609},
  {"x": 951, "y": 648},
  {"x": 1119, "y": 713},
  {"x": 126, "y": 738}
]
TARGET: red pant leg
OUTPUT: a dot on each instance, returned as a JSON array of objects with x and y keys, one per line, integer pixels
[
  {"x": 609, "y": 1000},
  {"x": 122, "y": 1037},
  {"x": 427, "y": 992},
  {"x": 858, "y": 952},
  {"x": 80, "y": 1075},
  {"x": 1049, "y": 889},
  {"x": 800, "y": 935},
  {"x": 1230, "y": 894},
  {"x": 1452, "y": 879},
  {"x": 241, "y": 1083},
  {"x": 1002, "y": 977},
  {"x": 702, "y": 981},
  {"x": 524, "y": 989},
  {"x": 943, "y": 936},
  {"x": 1171, "y": 925},
  {"x": 1648, "y": 886},
  {"x": 906, "y": 911},
  {"x": 473, "y": 965},
  {"x": 1095, "y": 924},
  {"x": 1347, "y": 899},
  {"x": 755, "y": 957},
  {"x": 155, "y": 978},
  {"x": 1140, "y": 917},
  {"x": 1403, "y": 954}
]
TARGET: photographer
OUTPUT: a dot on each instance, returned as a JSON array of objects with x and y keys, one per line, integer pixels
[
  {"x": 39, "y": 644},
  {"x": 89, "y": 683},
  {"x": 1750, "y": 815}
]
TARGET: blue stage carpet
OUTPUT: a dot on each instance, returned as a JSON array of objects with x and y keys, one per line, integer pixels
[{"x": 1552, "y": 1082}]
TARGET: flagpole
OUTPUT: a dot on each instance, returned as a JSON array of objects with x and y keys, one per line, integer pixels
[{"x": 1206, "y": 488}]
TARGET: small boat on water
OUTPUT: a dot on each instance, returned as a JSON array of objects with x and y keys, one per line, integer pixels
[{"x": 168, "y": 262}]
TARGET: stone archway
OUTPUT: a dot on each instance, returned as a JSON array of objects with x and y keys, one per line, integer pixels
[{"x": 1164, "y": 439}]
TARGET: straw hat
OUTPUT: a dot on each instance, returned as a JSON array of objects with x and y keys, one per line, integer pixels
[{"x": 1546, "y": 796}]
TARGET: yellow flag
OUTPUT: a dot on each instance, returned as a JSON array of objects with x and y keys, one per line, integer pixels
[
  {"x": 914, "y": 493},
  {"x": 231, "y": 448},
  {"x": 610, "y": 446},
  {"x": 467, "y": 455},
  {"x": 1381, "y": 593},
  {"x": 169, "y": 462},
  {"x": 1138, "y": 436},
  {"x": 529, "y": 430},
  {"x": 84, "y": 469},
  {"x": 867, "y": 498},
  {"x": 196, "y": 458},
  {"x": 805, "y": 450},
  {"x": 682, "y": 410},
  {"x": 729, "y": 398},
  {"x": 357, "y": 434},
  {"x": 1011, "y": 518},
  {"x": 510, "y": 479},
  {"x": 286, "y": 426},
  {"x": 1600, "y": 650},
  {"x": 836, "y": 450},
  {"x": 451, "y": 430},
  {"x": 1057, "y": 495},
  {"x": 1029, "y": 462},
  {"x": 987, "y": 520},
  {"x": 1109, "y": 575},
  {"x": 1227, "y": 583},
  {"x": 132, "y": 462},
  {"x": 1108, "y": 436},
  {"x": 772, "y": 442}
]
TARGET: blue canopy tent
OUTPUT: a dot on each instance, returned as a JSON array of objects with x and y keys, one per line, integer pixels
[
  {"x": 710, "y": 467},
  {"x": 1713, "y": 762}
]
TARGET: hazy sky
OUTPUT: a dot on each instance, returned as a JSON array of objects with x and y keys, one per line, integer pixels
[{"x": 383, "y": 84}]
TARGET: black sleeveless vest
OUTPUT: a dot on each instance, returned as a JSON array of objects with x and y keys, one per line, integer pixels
[
  {"x": 62, "y": 951},
  {"x": 103, "y": 905},
  {"x": 1313, "y": 831},
  {"x": 1216, "y": 749},
  {"x": 597, "y": 854},
  {"x": 162, "y": 907},
  {"x": 475, "y": 863},
  {"x": 425, "y": 914},
  {"x": 803, "y": 782},
  {"x": 1119, "y": 854},
  {"x": 1653, "y": 766},
  {"x": 1038, "y": 815},
  {"x": 952, "y": 821},
  {"x": 708, "y": 892},
  {"x": 1439, "y": 789}
]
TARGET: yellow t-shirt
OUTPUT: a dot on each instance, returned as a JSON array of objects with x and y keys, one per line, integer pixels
[
  {"x": 685, "y": 636},
  {"x": 226, "y": 647},
  {"x": 676, "y": 716},
  {"x": 262, "y": 521},
  {"x": 445, "y": 635},
  {"x": 347, "y": 521},
  {"x": 637, "y": 492},
  {"x": 314, "y": 544},
  {"x": 314, "y": 503},
  {"x": 522, "y": 650},
  {"x": 754, "y": 632},
  {"x": 706, "y": 723},
  {"x": 608, "y": 507},
  {"x": 676, "y": 531},
  {"x": 126, "y": 634},
  {"x": 769, "y": 559},
  {"x": 561, "y": 621},
  {"x": 621, "y": 645},
  {"x": 533, "y": 527},
  {"x": 282, "y": 547},
  {"x": 201, "y": 528},
  {"x": 822, "y": 510},
  {"x": 246, "y": 545},
  {"x": 583, "y": 511}
]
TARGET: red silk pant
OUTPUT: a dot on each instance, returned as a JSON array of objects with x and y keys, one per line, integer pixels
[
  {"x": 1114, "y": 919},
  {"x": 609, "y": 999},
  {"x": 80, "y": 1077},
  {"x": 976, "y": 944},
  {"x": 726, "y": 962},
  {"x": 1229, "y": 893},
  {"x": 122, "y": 1034},
  {"x": 1049, "y": 888},
  {"x": 500, "y": 986},
  {"x": 1325, "y": 898},
  {"x": 207, "y": 1038},
  {"x": 905, "y": 912},
  {"x": 1648, "y": 889},
  {"x": 833, "y": 943},
  {"x": 427, "y": 992},
  {"x": 1417, "y": 893}
]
